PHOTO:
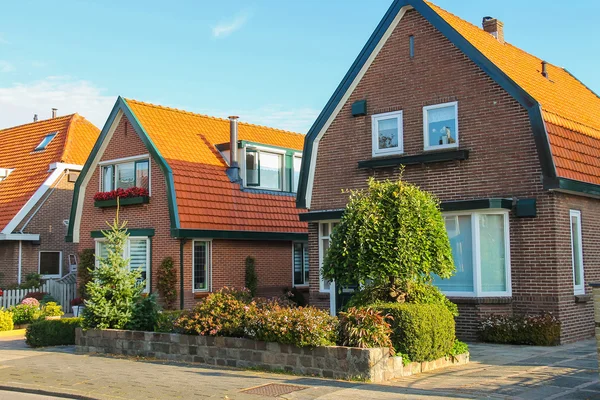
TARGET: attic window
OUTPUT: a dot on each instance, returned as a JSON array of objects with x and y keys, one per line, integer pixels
[
  {"x": 45, "y": 141},
  {"x": 4, "y": 172}
]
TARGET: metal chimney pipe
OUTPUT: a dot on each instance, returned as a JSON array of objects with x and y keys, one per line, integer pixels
[
  {"x": 54, "y": 110},
  {"x": 35, "y": 118},
  {"x": 544, "y": 69},
  {"x": 233, "y": 140}
]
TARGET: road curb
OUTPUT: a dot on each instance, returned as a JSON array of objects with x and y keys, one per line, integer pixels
[{"x": 46, "y": 393}]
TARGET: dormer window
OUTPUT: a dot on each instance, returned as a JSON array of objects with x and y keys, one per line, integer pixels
[
  {"x": 264, "y": 169},
  {"x": 45, "y": 141}
]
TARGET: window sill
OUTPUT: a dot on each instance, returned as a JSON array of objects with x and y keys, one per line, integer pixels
[
  {"x": 480, "y": 300},
  {"x": 583, "y": 298},
  {"x": 127, "y": 201},
  {"x": 424, "y": 158},
  {"x": 201, "y": 295}
]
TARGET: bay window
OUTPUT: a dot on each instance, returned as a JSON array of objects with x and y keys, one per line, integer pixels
[
  {"x": 300, "y": 267},
  {"x": 137, "y": 250},
  {"x": 325, "y": 230},
  {"x": 124, "y": 175},
  {"x": 481, "y": 253},
  {"x": 577, "y": 252},
  {"x": 201, "y": 263}
]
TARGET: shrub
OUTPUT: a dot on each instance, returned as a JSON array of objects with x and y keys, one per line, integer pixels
[
  {"x": 25, "y": 313},
  {"x": 87, "y": 263},
  {"x": 77, "y": 301},
  {"x": 391, "y": 233},
  {"x": 52, "y": 309},
  {"x": 423, "y": 332},
  {"x": 537, "y": 330},
  {"x": 301, "y": 326},
  {"x": 48, "y": 299},
  {"x": 166, "y": 282},
  {"x": 114, "y": 288},
  {"x": 220, "y": 314},
  {"x": 165, "y": 321},
  {"x": 32, "y": 281},
  {"x": 35, "y": 295},
  {"x": 6, "y": 320},
  {"x": 30, "y": 301},
  {"x": 364, "y": 327},
  {"x": 459, "y": 348},
  {"x": 251, "y": 277},
  {"x": 54, "y": 332},
  {"x": 145, "y": 314},
  {"x": 295, "y": 296}
]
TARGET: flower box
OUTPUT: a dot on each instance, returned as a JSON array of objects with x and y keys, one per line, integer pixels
[{"x": 126, "y": 201}]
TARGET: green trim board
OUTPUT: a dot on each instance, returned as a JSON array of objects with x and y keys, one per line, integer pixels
[
  {"x": 495, "y": 73},
  {"x": 127, "y": 201},
  {"x": 237, "y": 235},
  {"x": 424, "y": 158},
  {"x": 149, "y": 232},
  {"x": 477, "y": 204},
  {"x": 577, "y": 186},
  {"x": 321, "y": 215}
]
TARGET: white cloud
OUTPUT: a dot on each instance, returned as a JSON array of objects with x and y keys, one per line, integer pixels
[
  {"x": 20, "y": 101},
  {"x": 275, "y": 116},
  {"x": 226, "y": 28},
  {"x": 5, "y": 66}
]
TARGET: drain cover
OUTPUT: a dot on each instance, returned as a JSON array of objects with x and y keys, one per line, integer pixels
[{"x": 274, "y": 389}]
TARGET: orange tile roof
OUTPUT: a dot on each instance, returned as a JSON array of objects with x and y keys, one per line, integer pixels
[
  {"x": 72, "y": 145},
  {"x": 570, "y": 109},
  {"x": 206, "y": 199}
]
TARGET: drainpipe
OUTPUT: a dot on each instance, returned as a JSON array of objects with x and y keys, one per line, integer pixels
[
  {"x": 181, "y": 243},
  {"x": 20, "y": 262}
]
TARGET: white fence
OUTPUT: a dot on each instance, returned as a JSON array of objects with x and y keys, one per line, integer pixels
[{"x": 62, "y": 292}]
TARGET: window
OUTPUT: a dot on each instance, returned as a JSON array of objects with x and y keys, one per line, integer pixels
[
  {"x": 4, "y": 172},
  {"x": 296, "y": 176},
  {"x": 577, "y": 252},
  {"x": 264, "y": 169},
  {"x": 50, "y": 264},
  {"x": 387, "y": 133},
  {"x": 125, "y": 175},
  {"x": 45, "y": 141},
  {"x": 300, "y": 264},
  {"x": 325, "y": 230},
  {"x": 201, "y": 260},
  {"x": 481, "y": 253},
  {"x": 440, "y": 126},
  {"x": 137, "y": 250}
]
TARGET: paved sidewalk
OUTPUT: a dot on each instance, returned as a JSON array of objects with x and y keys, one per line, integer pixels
[{"x": 516, "y": 372}]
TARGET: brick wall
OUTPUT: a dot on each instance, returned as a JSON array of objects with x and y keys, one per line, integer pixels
[
  {"x": 273, "y": 259},
  {"x": 503, "y": 162}
]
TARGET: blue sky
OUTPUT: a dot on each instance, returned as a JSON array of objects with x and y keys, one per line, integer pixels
[{"x": 272, "y": 62}]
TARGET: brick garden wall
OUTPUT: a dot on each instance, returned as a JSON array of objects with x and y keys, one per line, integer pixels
[{"x": 503, "y": 162}]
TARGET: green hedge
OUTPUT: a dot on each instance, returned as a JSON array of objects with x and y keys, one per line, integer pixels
[
  {"x": 421, "y": 332},
  {"x": 536, "y": 330},
  {"x": 54, "y": 332},
  {"x": 6, "y": 320}
]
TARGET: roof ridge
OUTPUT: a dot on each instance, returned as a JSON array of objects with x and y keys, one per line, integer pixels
[
  {"x": 209, "y": 116},
  {"x": 37, "y": 122}
]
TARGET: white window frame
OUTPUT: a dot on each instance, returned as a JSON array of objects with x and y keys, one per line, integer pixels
[
  {"x": 295, "y": 184},
  {"x": 294, "y": 284},
  {"x": 258, "y": 150},
  {"x": 577, "y": 289},
  {"x": 426, "y": 145},
  {"x": 376, "y": 152},
  {"x": 60, "y": 264},
  {"x": 124, "y": 160},
  {"x": 126, "y": 255},
  {"x": 322, "y": 253},
  {"x": 208, "y": 266},
  {"x": 477, "y": 291}
]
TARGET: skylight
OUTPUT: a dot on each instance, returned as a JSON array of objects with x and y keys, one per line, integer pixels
[{"x": 45, "y": 141}]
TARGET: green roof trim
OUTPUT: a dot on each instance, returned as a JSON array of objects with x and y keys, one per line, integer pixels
[
  {"x": 237, "y": 235},
  {"x": 321, "y": 215},
  {"x": 477, "y": 204},
  {"x": 425, "y": 158},
  {"x": 132, "y": 232},
  {"x": 570, "y": 185}
]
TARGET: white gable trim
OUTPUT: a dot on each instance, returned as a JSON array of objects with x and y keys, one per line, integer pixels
[
  {"x": 344, "y": 99},
  {"x": 88, "y": 176},
  {"x": 57, "y": 170}
]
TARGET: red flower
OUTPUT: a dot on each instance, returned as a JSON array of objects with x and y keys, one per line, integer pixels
[{"x": 121, "y": 193}]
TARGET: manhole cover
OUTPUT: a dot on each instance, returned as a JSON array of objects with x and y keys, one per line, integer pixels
[{"x": 274, "y": 389}]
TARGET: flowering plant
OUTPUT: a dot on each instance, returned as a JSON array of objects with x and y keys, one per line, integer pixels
[
  {"x": 30, "y": 301},
  {"x": 122, "y": 193},
  {"x": 77, "y": 301}
]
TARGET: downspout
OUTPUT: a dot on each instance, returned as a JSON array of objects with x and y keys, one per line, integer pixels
[
  {"x": 181, "y": 243},
  {"x": 20, "y": 262}
]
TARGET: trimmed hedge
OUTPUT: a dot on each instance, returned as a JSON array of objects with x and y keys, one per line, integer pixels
[
  {"x": 421, "y": 332},
  {"x": 536, "y": 330},
  {"x": 54, "y": 332}
]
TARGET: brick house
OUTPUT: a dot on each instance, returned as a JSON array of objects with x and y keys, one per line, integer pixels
[
  {"x": 39, "y": 163},
  {"x": 509, "y": 143},
  {"x": 205, "y": 211}
]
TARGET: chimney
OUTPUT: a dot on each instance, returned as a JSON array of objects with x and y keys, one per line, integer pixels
[
  {"x": 494, "y": 27},
  {"x": 54, "y": 110},
  {"x": 233, "y": 172},
  {"x": 544, "y": 69},
  {"x": 35, "y": 118}
]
